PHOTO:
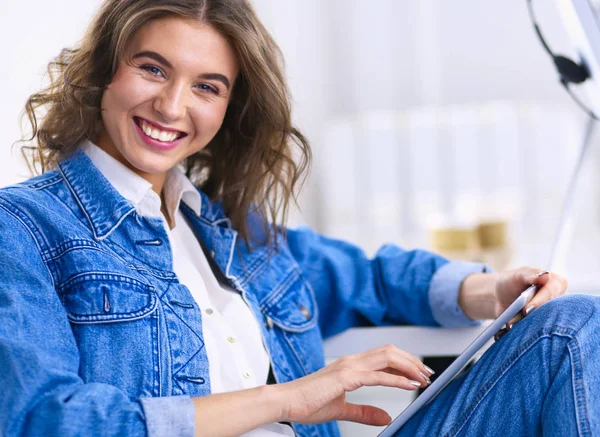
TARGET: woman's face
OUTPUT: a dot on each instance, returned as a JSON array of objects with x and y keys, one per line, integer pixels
[{"x": 168, "y": 97}]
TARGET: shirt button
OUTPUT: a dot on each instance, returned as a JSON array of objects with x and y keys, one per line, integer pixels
[
  {"x": 305, "y": 312},
  {"x": 208, "y": 311},
  {"x": 231, "y": 339},
  {"x": 246, "y": 375}
]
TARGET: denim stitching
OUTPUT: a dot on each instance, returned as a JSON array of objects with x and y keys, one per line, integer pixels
[
  {"x": 298, "y": 358},
  {"x": 142, "y": 266},
  {"x": 277, "y": 294},
  {"x": 188, "y": 361},
  {"x": 193, "y": 331},
  {"x": 33, "y": 237},
  {"x": 85, "y": 213},
  {"x": 501, "y": 371},
  {"x": 156, "y": 389},
  {"x": 583, "y": 424},
  {"x": 254, "y": 268},
  {"x": 104, "y": 276},
  {"x": 44, "y": 182},
  {"x": 66, "y": 246},
  {"x": 136, "y": 286},
  {"x": 162, "y": 295},
  {"x": 82, "y": 319}
]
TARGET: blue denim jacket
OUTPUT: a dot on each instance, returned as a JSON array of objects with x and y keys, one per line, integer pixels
[{"x": 98, "y": 337}]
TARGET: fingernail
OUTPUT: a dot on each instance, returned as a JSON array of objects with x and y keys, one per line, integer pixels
[
  {"x": 415, "y": 383},
  {"x": 529, "y": 309},
  {"x": 545, "y": 272},
  {"x": 499, "y": 334},
  {"x": 509, "y": 326},
  {"x": 429, "y": 369},
  {"x": 425, "y": 377}
]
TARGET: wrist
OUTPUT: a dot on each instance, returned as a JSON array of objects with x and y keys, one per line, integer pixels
[
  {"x": 477, "y": 296},
  {"x": 235, "y": 413},
  {"x": 276, "y": 402}
]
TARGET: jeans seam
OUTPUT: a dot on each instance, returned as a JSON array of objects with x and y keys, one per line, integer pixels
[
  {"x": 503, "y": 369},
  {"x": 583, "y": 424}
]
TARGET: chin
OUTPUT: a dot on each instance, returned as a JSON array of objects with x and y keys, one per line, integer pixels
[{"x": 146, "y": 162}]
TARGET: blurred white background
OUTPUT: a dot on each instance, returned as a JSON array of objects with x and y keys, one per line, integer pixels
[{"x": 416, "y": 110}]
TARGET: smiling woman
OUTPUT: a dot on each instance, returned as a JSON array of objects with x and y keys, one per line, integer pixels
[
  {"x": 168, "y": 98},
  {"x": 149, "y": 286},
  {"x": 208, "y": 72}
]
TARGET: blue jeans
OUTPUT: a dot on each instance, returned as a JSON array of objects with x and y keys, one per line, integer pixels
[{"x": 542, "y": 378}]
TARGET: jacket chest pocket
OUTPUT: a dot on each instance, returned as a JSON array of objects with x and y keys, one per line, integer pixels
[
  {"x": 105, "y": 298},
  {"x": 292, "y": 314},
  {"x": 114, "y": 321}
]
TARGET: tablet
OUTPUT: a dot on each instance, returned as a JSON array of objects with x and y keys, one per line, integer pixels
[{"x": 454, "y": 369}]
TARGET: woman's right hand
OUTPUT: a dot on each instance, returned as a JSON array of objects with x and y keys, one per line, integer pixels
[{"x": 321, "y": 396}]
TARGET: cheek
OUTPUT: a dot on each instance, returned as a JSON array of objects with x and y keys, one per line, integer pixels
[
  {"x": 208, "y": 119},
  {"x": 126, "y": 91}
]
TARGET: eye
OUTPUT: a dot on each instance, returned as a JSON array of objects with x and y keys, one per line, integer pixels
[
  {"x": 207, "y": 88},
  {"x": 152, "y": 69}
]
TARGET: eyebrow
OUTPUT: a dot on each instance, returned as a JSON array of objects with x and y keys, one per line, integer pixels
[{"x": 160, "y": 58}]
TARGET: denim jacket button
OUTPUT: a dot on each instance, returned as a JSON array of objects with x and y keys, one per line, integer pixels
[
  {"x": 269, "y": 323},
  {"x": 212, "y": 253},
  {"x": 305, "y": 312}
]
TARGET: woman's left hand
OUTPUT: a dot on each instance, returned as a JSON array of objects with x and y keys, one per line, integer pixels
[
  {"x": 511, "y": 283},
  {"x": 487, "y": 295}
]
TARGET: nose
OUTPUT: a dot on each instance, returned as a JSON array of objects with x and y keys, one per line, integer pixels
[{"x": 171, "y": 102}]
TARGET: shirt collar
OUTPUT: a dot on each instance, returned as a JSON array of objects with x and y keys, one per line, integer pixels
[
  {"x": 139, "y": 191},
  {"x": 105, "y": 208}
]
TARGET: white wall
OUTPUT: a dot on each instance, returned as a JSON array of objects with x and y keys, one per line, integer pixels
[
  {"x": 32, "y": 33},
  {"x": 343, "y": 56}
]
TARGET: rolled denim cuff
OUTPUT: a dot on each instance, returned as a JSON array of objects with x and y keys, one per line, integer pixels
[
  {"x": 443, "y": 292},
  {"x": 171, "y": 416}
]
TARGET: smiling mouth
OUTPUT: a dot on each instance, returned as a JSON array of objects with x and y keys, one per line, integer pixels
[{"x": 151, "y": 130}]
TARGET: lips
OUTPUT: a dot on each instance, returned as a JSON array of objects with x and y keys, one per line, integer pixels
[
  {"x": 158, "y": 132},
  {"x": 158, "y": 138}
]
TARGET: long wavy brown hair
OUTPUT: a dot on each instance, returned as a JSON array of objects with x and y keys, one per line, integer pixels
[{"x": 256, "y": 163}]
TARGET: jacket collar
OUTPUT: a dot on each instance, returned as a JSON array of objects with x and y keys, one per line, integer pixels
[{"x": 103, "y": 206}]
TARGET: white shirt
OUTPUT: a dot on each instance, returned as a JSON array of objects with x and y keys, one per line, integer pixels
[{"x": 236, "y": 354}]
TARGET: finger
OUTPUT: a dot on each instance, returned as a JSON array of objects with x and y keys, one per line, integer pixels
[
  {"x": 538, "y": 277},
  {"x": 554, "y": 287},
  {"x": 422, "y": 377},
  {"x": 391, "y": 348},
  {"x": 429, "y": 371},
  {"x": 370, "y": 378},
  {"x": 366, "y": 414},
  {"x": 394, "y": 358},
  {"x": 499, "y": 334},
  {"x": 514, "y": 321}
]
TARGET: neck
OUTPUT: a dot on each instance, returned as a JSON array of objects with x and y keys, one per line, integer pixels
[{"x": 156, "y": 179}]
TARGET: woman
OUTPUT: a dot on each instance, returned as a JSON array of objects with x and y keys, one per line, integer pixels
[{"x": 145, "y": 292}]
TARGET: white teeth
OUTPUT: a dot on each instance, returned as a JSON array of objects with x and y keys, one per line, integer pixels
[
  {"x": 157, "y": 134},
  {"x": 165, "y": 136}
]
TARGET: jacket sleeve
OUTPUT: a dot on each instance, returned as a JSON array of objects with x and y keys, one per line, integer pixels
[
  {"x": 394, "y": 287},
  {"x": 42, "y": 394}
]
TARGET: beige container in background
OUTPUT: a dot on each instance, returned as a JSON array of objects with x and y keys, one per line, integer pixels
[
  {"x": 494, "y": 242},
  {"x": 456, "y": 242},
  {"x": 485, "y": 242}
]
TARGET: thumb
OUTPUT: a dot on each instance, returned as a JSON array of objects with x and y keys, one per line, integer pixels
[{"x": 365, "y": 414}]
